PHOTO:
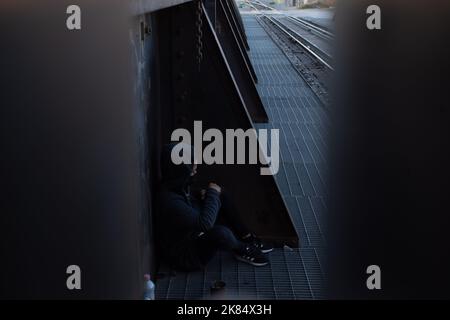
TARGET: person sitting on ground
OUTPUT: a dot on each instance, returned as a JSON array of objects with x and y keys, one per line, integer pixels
[{"x": 192, "y": 229}]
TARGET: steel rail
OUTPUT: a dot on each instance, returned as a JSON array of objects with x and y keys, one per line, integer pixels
[
  {"x": 323, "y": 32},
  {"x": 312, "y": 27},
  {"x": 302, "y": 42},
  {"x": 295, "y": 37}
]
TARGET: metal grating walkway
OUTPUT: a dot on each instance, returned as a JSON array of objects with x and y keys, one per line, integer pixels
[
  {"x": 303, "y": 123},
  {"x": 293, "y": 273}
]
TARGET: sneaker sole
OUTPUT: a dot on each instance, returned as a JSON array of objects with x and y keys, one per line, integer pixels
[
  {"x": 256, "y": 264},
  {"x": 267, "y": 250}
]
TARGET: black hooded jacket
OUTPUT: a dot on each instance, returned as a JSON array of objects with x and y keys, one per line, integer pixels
[{"x": 180, "y": 217}]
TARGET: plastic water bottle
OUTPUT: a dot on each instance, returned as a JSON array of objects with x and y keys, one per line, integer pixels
[{"x": 149, "y": 288}]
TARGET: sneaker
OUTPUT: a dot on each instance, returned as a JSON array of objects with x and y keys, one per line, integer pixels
[
  {"x": 253, "y": 256},
  {"x": 255, "y": 241}
]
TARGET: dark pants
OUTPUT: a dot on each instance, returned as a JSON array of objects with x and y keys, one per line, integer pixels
[{"x": 223, "y": 235}]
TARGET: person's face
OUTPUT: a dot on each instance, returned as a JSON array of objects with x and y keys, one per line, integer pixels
[{"x": 194, "y": 170}]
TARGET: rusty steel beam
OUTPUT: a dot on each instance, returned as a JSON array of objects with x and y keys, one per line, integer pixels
[
  {"x": 232, "y": 4},
  {"x": 208, "y": 91},
  {"x": 238, "y": 29},
  {"x": 240, "y": 34},
  {"x": 238, "y": 20},
  {"x": 240, "y": 67}
]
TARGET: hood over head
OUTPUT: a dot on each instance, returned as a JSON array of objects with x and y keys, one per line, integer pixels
[{"x": 175, "y": 177}]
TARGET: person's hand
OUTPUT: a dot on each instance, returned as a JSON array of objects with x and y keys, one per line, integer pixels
[{"x": 214, "y": 186}]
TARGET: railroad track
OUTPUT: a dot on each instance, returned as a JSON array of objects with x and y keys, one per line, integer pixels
[
  {"x": 318, "y": 53},
  {"x": 323, "y": 56},
  {"x": 255, "y": 3},
  {"x": 311, "y": 58},
  {"x": 313, "y": 28}
]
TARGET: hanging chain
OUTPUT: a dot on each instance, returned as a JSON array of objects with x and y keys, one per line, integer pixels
[{"x": 199, "y": 25}]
